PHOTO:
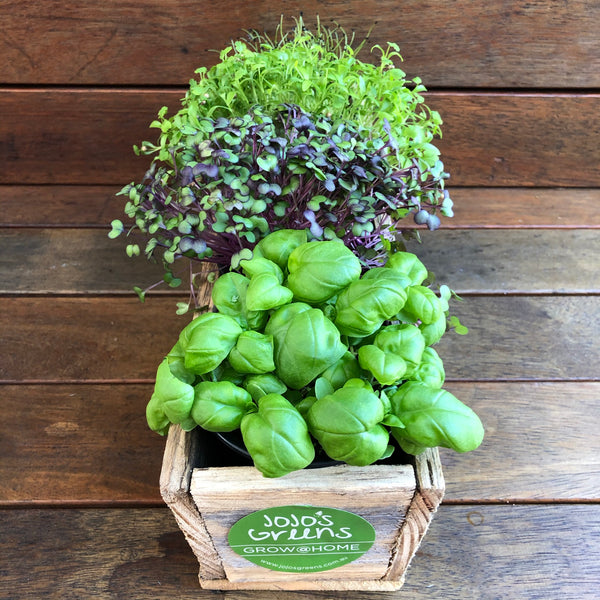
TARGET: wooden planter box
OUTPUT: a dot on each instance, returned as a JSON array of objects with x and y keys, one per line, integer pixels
[{"x": 398, "y": 500}]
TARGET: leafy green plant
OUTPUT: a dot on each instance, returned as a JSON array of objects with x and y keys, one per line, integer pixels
[
  {"x": 304, "y": 353},
  {"x": 295, "y": 132},
  {"x": 255, "y": 174},
  {"x": 319, "y": 71}
]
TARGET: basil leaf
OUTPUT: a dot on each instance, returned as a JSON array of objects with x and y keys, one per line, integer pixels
[
  {"x": 342, "y": 370},
  {"x": 364, "y": 305},
  {"x": 347, "y": 424},
  {"x": 207, "y": 341},
  {"x": 431, "y": 370},
  {"x": 277, "y": 437},
  {"x": 319, "y": 270},
  {"x": 423, "y": 305},
  {"x": 387, "y": 368},
  {"x": 265, "y": 292},
  {"x": 175, "y": 396},
  {"x": 261, "y": 385},
  {"x": 405, "y": 341},
  {"x": 220, "y": 405},
  {"x": 305, "y": 345},
  {"x": 434, "y": 418},
  {"x": 278, "y": 245},
  {"x": 252, "y": 353},
  {"x": 408, "y": 264}
]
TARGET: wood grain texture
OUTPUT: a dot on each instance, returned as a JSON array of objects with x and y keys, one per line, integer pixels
[
  {"x": 560, "y": 208},
  {"x": 476, "y": 44},
  {"x": 59, "y": 205},
  {"x": 116, "y": 339},
  {"x": 380, "y": 494},
  {"x": 481, "y": 207},
  {"x": 540, "y": 443},
  {"x": 525, "y": 140},
  {"x": 85, "y": 261},
  {"x": 78, "y": 443},
  {"x": 85, "y": 136},
  {"x": 90, "y": 444},
  {"x": 475, "y": 552},
  {"x": 524, "y": 338},
  {"x": 513, "y": 261}
]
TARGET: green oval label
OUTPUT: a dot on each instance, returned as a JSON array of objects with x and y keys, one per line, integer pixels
[{"x": 301, "y": 538}]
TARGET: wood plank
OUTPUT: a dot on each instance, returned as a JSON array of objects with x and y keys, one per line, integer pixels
[
  {"x": 117, "y": 339},
  {"x": 540, "y": 443},
  {"x": 89, "y": 444},
  {"x": 483, "y": 44},
  {"x": 95, "y": 206},
  {"x": 524, "y": 338},
  {"x": 85, "y": 261},
  {"x": 84, "y": 136},
  {"x": 59, "y": 205},
  {"x": 527, "y": 140},
  {"x": 513, "y": 261},
  {"x": 482, "y": 552},
  {"x": 524, "y": 208},
  {"x": 88, "y": 339},
  {"x": 78, "y": 443}
]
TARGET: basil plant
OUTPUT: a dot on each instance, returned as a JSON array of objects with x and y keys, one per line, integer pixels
[{"x": 307, "y": 352}]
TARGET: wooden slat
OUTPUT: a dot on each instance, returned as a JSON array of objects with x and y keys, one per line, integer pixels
[
  {"x": 524, "y": 337},
  {"x": 84, "y": 136},
  {"x": 95, "y": 206},
  {"x": 510, "y": 338},
  {"x": 59, "y": 205},
  {"x": 524, "y": 208},
  {"x": 78, "y": 443},
  {"x": 482, "y": 552},
  {"x": 90, "y": 444},
  {"x": 513, "y": 261},
  {"x": 540, "y": 443},
  {"x": 526, "y": 140},
  {"x": 480, "y": 44},
  {"x": 69, "y": 261}
]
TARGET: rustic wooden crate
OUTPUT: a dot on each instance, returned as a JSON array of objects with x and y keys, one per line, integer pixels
[{"x": 398, "y": 500}]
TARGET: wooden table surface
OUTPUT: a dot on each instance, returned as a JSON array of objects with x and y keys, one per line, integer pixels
[{"x": 517, "y": 85}]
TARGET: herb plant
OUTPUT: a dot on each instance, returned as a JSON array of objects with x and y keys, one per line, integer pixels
[
  {"x": 306, "y": 349},
  {"x": 295, "y": 132},
  {"x": 254, "y": 174}
]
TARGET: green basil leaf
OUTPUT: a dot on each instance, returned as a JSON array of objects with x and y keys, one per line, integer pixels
[
  {"x": 423, "y": 304},
  {"x": 278, "y": 245},
  {"x": 277, "y": 437},
  {"x": 319, "y": 270},
  {"x": 252, "y": 353},
  {"x": 365, "y": 304},
  {"x": 229, "y": 294},
  {"x": 305, "y": 345},
  {"x": 405, "y": 341},
  {"x": 258, "y": 265},
  {"x": 265, "y": 293},
  {"x": 433, "y": 332},
  {"x": 387, "y": 368},
  {"x": 431, "y": 370},
  {"x": 176, "y": 396},
  {"x": 155, "y": 416},
  {"x": 434, "y": 417},
  {"x": 408, "y": 264},
  {"x": 347, "y": 424},
  {"x": 207, "y": 341},
  {"x": 261, "y": 385},
  {"x": 220, "y": 405},
  {"x": 176, "y": 360},
  {"x": 342, "y": 370}
]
